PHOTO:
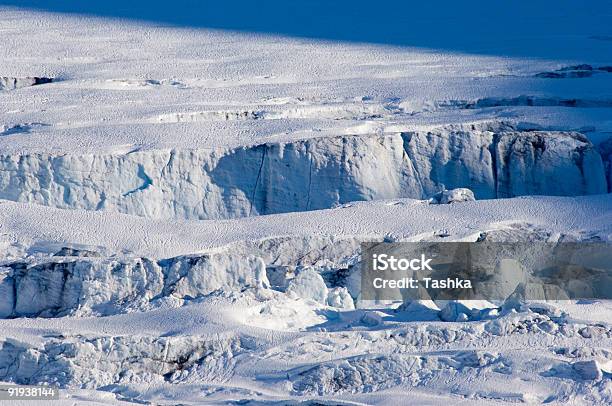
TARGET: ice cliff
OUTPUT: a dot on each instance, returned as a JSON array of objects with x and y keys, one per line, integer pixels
[
  {"x": 107, "y": 286},
  {"x": 12, "y": 83},
  {"x": 308, "y": 174}
]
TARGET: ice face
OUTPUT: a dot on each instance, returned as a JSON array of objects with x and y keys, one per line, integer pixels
[
  {"x": 309, "y": 174},
  {"x": 12, "y": 83},
  {"x": 106, "y": 286}
]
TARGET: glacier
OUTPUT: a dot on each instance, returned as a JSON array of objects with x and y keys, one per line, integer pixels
[
  {"x": 312, "y": 174},
  {"x": 182, "y": 208}
]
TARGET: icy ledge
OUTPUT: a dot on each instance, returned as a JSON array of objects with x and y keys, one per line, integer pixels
[
  {"x": 12, "y": 83},
  {"x": 105, "y": 287},
  {"x": 79, "y": 282},
  {"x": 309, "y": 174}
]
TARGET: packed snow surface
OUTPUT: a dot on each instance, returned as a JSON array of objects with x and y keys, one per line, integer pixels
[{"x": 183, "y": 198}]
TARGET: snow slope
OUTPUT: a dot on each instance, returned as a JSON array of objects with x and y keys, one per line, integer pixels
[
  {"x": 183, "y": 195},
  {"x": 33, "y": 229},
  {"x": 135, "y": 86}
]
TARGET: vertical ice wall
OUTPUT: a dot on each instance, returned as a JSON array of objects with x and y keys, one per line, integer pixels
[{"x": 307, "y": 174}]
